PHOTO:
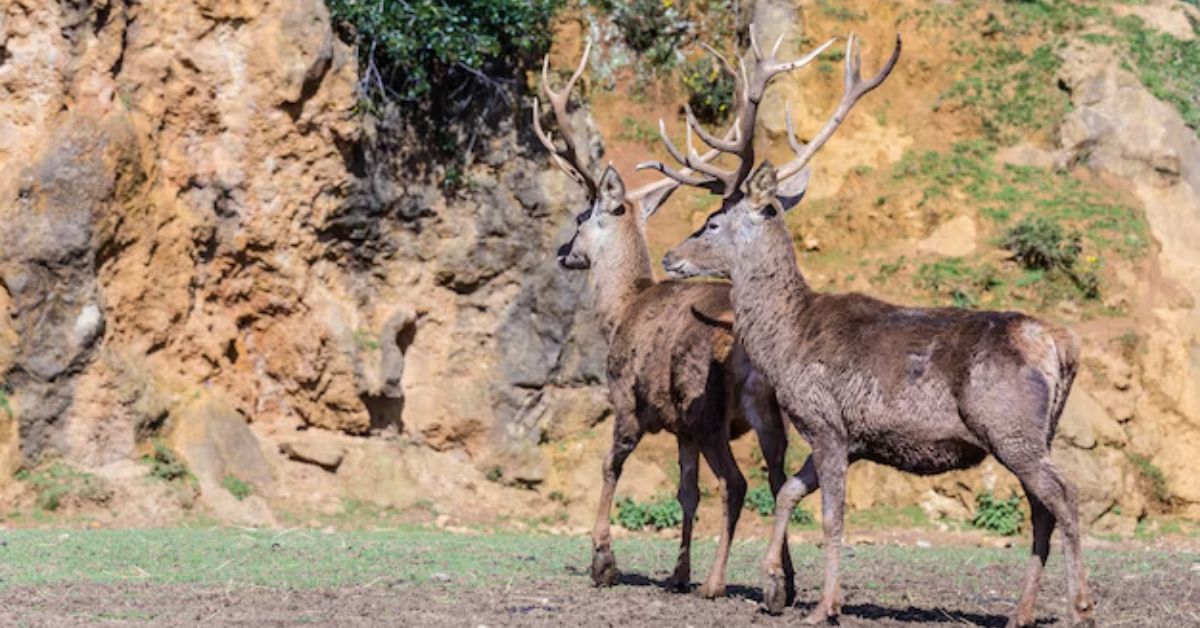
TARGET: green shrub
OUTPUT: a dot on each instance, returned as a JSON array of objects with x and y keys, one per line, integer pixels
[
  {"x": 1168, "y": 67},
  {"x": 663, "y": 512},
  {"x": 165, "y": 465},
  {"x": 760, "y": 500},
  {"x": 58, "y": 482},
  {"x": 652, "y": 28},
  {"x": 1041, "y": 244},
  {"x": 4, "y": 403},
  {"x": 1153, "y": 477},
  {"x": 995, "y": 515},
  {"x": 709, "y": 89},
  {"x": 408, "y": 48},
  {"x": 237, "y": 487}
]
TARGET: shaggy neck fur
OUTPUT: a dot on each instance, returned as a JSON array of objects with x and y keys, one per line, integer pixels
[
  {"x": 768, "y": 294},
  {"x": 619, "y": 274}
]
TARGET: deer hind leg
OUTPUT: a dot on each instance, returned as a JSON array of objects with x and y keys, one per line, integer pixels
[
  {"x": 1043, "y": 527},
  {"x": 626, "y": 435},
  {"x": 733, "y": 494},
  {"x": 1044, "y": 484},
  {"x": 763, "y": 414},
  {"x": 805, "y": 481},
  {"x": 832, "y": 464},
  {"x": 689, "y": 500}
]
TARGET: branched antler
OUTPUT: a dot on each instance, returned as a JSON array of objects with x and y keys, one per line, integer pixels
[
  {"x": 750, "y": 84},
  {"x": 569, "y": 158},
  {"x": 854, "y": 88}
]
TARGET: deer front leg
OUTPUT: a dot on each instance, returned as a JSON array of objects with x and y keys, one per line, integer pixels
[
  {"x": 796, "y": 488},
  {"x": 733, "y": 496},
  {"x": 689, "y": 500},
  {"x": 626, "y": 435},
  {"x": 762, "y": 412},
  {"x": 831, "y": 468}
]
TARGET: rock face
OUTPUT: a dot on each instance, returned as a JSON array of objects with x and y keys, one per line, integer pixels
[{"x": 201, "y": 234}]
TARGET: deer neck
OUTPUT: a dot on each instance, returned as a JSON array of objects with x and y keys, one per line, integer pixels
[
  {"x": 769, "y": 292},
  {"x": 619, "y": 276}
]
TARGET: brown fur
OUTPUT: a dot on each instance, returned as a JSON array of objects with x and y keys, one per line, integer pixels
[
  {"x": 669, "y": 369},
  {"x": 923, "y": 390}
]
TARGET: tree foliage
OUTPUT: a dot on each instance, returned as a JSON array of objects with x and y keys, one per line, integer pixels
[{"x": 410, "y": 48}]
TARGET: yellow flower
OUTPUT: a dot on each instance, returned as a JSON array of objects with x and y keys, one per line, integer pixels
[{"x": 668, "y": 3}]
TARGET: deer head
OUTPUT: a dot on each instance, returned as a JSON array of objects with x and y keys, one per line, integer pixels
[
  {"x": 613, "y": 213},
  {"x": 764, "y": 193}
]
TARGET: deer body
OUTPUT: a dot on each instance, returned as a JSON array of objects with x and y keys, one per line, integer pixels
[
  {"x": 923, "y": 390},
  {"x": 668, "y": 367}
]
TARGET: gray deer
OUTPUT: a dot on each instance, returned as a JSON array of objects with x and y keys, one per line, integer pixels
[
  {"x": 924, "y": 390},
  {"x": 672, "y": 364}
]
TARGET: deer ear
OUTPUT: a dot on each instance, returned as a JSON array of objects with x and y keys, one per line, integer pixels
[
  {"x": 791, "y": 190},
  {"x": 612, "y": 192},
  {"x": 762, "y": 185}
]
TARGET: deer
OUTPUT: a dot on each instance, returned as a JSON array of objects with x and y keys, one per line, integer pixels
[
  {"x": 673, "y": 363},
  {"x": 923, "y": 390}
]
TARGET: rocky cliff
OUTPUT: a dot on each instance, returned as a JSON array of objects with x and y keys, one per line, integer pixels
[{"x": 207, "y": 246}]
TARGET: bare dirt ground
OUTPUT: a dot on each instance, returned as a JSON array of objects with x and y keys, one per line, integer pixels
[{"x": 430, "y": 578}]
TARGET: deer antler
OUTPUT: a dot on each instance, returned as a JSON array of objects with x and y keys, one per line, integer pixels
[
  {"x": 649, "y": 196},
  {"x": 854, "y": 88},
  {"x": 748, "y": 91},
  {"x": 568, "y": 158}
]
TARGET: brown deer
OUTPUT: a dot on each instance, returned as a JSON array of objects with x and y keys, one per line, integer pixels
[
  {"x": 924, "y": 390},
  {"x": 671, "y": 364}
]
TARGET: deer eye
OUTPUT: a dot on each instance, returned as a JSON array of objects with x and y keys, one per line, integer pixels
[{"x": 712, "y": 226}]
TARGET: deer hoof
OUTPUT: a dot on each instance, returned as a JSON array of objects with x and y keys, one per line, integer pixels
[
  {"x": 820, "y": 615},
  {"x": 712, "y": 591},
  {"x": 678, "y": 582},
  {"x": 774, "y": 594},
  {"x": 604, "y": 568}
]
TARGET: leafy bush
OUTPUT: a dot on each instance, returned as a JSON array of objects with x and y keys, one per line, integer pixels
[
  {"x": 1040, "y": 244},
  {"x": 165, "y": 465},
  {"x": 1153, "y": 476},
  {"x": 408, "y": 48},
  {"x": 710, "y": 90},
  {"x": 236, "y": 487},
  {"x": 58, "y": 482},
  {"x": 760, "y": 500},
  {"x": 659, "y": 514},
  {"x": 652, "y": 28},
  {"x": 995, "y": 515},
  {"x": 4, "y": 403}
]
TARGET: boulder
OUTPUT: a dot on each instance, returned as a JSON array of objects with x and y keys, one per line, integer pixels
[{"x": 954, "y": 238}]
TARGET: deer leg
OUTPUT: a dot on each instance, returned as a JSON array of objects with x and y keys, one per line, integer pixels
[
  {"x": 626, "y": 435},
  {"x": 831, "y": 469},
  {"x": 689, "y": 500},
  {"x": 763, "y": 413},
  {"x": 1043, "y": 527},
  {"x": 796, "y": 488},
  {"x": 733, "y": 494},
  {"x": 1043, "y": 483}
]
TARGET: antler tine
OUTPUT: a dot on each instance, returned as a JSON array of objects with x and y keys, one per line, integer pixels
[
  {"x": 854, "y": 89},
  {"x": 570, "y": 159},
  {"x": 706, "y": 137},
  {"x": 691, "y": 161},
  {"x": 793, "y": 141}
]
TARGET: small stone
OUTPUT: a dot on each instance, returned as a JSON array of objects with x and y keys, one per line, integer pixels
[
  {"x": 924, "y": 544},
  {"x": 440, "y": 577}
]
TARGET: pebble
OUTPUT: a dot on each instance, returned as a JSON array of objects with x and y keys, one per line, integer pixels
[
  {"x": 924, "y": 544},
  {"x": 1195, "y": 566},
  {"x": 440, "y": 577}
]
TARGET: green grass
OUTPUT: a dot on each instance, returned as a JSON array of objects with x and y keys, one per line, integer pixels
[
  {"x": 1168, "y": 67},
  {"x": 1152, "y": 476},
  {"x": 661, "y": 513}
]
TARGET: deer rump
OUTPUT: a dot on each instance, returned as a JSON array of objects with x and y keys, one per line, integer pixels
[
  {"x": 910, "y": 386},
  {"x": 686, "y": 368}
]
